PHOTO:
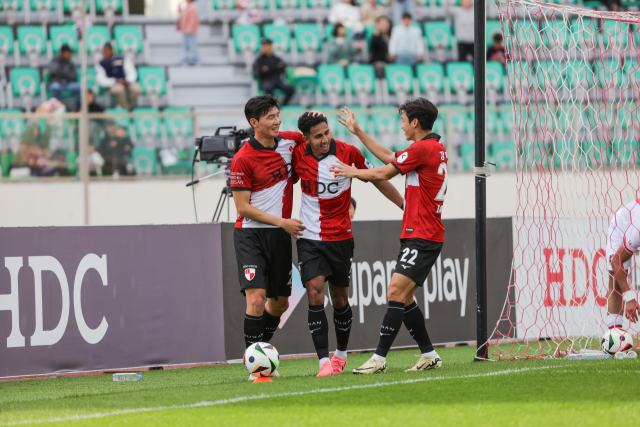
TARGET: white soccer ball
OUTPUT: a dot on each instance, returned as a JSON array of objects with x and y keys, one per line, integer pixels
[
  {"x": 261, "y": 359},
  {"x": 615, "y": 340}
]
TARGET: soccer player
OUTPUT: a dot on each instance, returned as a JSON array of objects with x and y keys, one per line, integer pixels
[
  {"x": 425, "y": 165},
  {"x": 325, "y": 249},
  {"x": 623, "y": 240},
  {"x": 262, "y": 186}
]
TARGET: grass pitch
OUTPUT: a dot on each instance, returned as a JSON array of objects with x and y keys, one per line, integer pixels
[{"x": 462, "y": 392}]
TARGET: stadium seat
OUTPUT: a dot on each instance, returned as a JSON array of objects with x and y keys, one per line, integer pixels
[
  {"x": 556, "y": 34},
  {"x": 223, "y": 4},
  {"x": 386, "y": 125},
  {"x": 332, "y": 79},
  {"x": 32, "y": 42},
  {"x": 491, "y": 122},
  {"x": 309, "y": 41},
  {"x": 585, "y": 32},
  {"x": 439, "y": 38},
  {"x": 97, "y": 37},
  {"x": 42, "y": 5},
  {"x": 632, "y": 71},
  {"x": 507, "y": 118},
  {"x": 399, "y": 80},
  {"x": 144, "y": 160},
  {"x": 6, "y": 47},
  {"x": 551, "y": 74},
  {"x": 615, "y": 35},
  {"x": 528, "y": 34},
  {"x": 246, "y": 39},
  {"x": 468, "y": 155},
  {"x": 318, "y": 4},
  {"x": 580, "y": 74},
  {"x": 25, "y": 84},
  {"x": 332, "y": 119},
  {"x": 11, "y": 129},
  {"x": 63, "y": 34},
  {"x": 625, "y": 152},
  {"x": 290, "y": 115},
  {"x": 154, "y": 83},
  {"x": 494, "y": 80},
  {"x": 75, "y": 6},
  {"x": 597, "y": 152},
  {"x": 147, "y": 126},
  {"x": 288, "y": 4},
  {"x": 609, "y": 74},
  {"x": 460, "y": 76},
  {"x": 119, "y": 117},
  {"x": 431, "y": 80},
  {"x": 280, "y": 35},
  {"x": 306, "y": 87},
  {"x": 503, "y": 155},
  {"x": 179, "y": 125},
  {"x": 91, "y": 81},
  {"x": 109, "y": 8},
  {"x": 362, "y": 78},
  {"x": 129, "y": 40},
  {"x": 492, "y": 27}
]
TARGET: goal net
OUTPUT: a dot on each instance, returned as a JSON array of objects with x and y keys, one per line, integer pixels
[{"x": 574, "y": 79}]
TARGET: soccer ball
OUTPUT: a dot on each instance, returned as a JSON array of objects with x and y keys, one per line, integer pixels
[
  {"x": 261, "y": 359},
  {"x": 615, "y": 340}
]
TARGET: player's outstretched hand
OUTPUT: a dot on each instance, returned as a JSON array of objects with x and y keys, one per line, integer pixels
[
  {"x": 293, "y": 226},
  {"x": 631, "y": 310},
  {"x": 343, "y": 169},
  {"x": 348, "y": 119}
]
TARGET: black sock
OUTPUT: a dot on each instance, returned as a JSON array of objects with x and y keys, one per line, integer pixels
[
  {"x": 270, "y": 324},
  {"x": 414, "y": 321},
  {"x": 252, "y": 329},
  {"x": 390, "y": 327},
  {"x": 319, "y": 328},
  {"x": 342, "y": 318}
]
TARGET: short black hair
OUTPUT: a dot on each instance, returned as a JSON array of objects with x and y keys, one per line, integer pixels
[
  {"x": 353, "y": 202},
  {"x": 421, "y": 109},
  {"x": 497, "y": 37},
  {"x": 335, "y": 30},
  {"x": 65, "y": 48},
  {"x": 307, "y": 121},
  {"x": 259, "y": 106},
  {"x": 108, "y": 45},
  {"x": 407, "y": 15}
]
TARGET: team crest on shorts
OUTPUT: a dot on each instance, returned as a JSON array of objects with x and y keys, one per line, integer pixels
[{"x": 249, "y": 273}]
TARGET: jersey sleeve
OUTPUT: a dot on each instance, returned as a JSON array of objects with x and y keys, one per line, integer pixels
[
  {"x": 410, "y": 159},
  {"x": 358, "y": 159},
  {"x": 631, "y": 240},
  {"x": 241, "y": 176},
  {"x": 293, "y": 136}
]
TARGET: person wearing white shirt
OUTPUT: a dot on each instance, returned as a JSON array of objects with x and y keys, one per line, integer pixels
[
  {"x": 463, "y": 19},
  {"x": 405, "y": 44},
  {"x": 347, "y": 14}
]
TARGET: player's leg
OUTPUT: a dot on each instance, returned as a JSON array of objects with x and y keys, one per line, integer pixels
[
  {"x": 414, "y": 322},
  {"x": 253, "y": 327},
  {"x": 615, "y": 315},
  {"x": 278, "y": 279},
  {"x": 342, "y": 319},
  {"x": 318, "y": 324}
]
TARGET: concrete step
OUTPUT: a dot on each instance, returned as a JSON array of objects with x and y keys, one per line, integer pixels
[
  {"x": 231, "y": 97},
  {"x": 168, "y": 34},
  {"x": 171, "y": 55},
  {"x": 208, "y": 76}
]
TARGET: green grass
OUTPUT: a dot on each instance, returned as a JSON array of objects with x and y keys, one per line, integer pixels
[{"x": 521, "y": 393}]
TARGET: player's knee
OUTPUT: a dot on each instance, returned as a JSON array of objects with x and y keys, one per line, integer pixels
[
  {"x": 278, "y": 307},
  {"x": 340, "y": 298},
  {"x": 255, "y": 302},
  {"x": 395, "y": 294}
]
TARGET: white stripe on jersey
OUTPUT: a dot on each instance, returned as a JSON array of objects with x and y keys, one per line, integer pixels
[
  {"x": 270, "y": 200},
  {"x": 621, "y": 222},
  {"x": 412, "y": 179},
  {"x": 326, "y": 177},
  {"x": 310, "y": 217}
]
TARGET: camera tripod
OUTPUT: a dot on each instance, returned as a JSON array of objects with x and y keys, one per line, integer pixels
[{"x": 225, "y": 194}]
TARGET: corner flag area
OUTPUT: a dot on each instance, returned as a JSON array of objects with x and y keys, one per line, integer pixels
[{"x": 534, "y": 392}]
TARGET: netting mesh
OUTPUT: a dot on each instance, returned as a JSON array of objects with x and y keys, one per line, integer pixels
[{"x": 574, "y": 82}]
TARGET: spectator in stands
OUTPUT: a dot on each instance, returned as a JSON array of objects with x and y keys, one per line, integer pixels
[
  {"x": 347, "y": 14},
  {"x": 401, "y": 7},
  {"x": 342, "y": 49},
  {"x": 269, "y": 69},
  {"x": 405, "y": 43},
  {"x": 352, "y": 209},
  {"x": 188, "y": 23},
  {"x": 496, "y": 50},
  {"x": 249, "y": 12},
  {"x": 63, "y": 76},
  {"x": 92, "y": 105},
  {"x": 116, "y": 149},
  {"x": 380, "y": 45},
  {"x": 95, "y": 125},
  {"x": 120, "y": 76},
  {"x": 463, "y": 25},
  {"x": 370, "y": 11}
]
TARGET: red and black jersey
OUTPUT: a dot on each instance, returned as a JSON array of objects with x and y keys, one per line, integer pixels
[
  {"x": 325, "y": 197},
  {"x": 267, "y": 173},
  {"x": 425, "y": 164}
]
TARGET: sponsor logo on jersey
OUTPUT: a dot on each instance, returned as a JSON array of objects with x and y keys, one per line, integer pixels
[
  {"x": 317, "y": 187},
  {"x": 367, "y": 164},
  {"x": 408, "y": 230},
  {"x": 403, "y": 157},
  {"x": 249, "y": 273}
]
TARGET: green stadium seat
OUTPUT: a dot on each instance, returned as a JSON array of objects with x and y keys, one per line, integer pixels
[
  {"x": 306, "y": 87},
  {"x": 493, "y": 27},
  {"x": 318, "y": 4},
  {"x": 147, "y": 126},
  {"x": 6, "y": 44},
  {"x": 625, "y": 152},
  {"x": 507, "y": 117},
  {"x": 527, "y": 34},
  {"x": 468, "y": 154},
  {"x": 32, "y": 42},
  {"x": 551, "y": 74},
  {"x": 331, "y": 79},
  {"x": 580, "y": 74},
  {"x": 290, "y": 115},
  {"x": 71, "y": 6},
  {"x": 609, "y": 74},
  {"x": 288, "y": 4},
  {"x": 503, "y": 155},
  {"x": 563, "y": 154},
  {"x": 585, "y": 31},
  {"x": 129, "y": 40},
  {"x": 597, "y": 152},
  {"x": 246, "y": 38},
  {"x": 25, "y": 83},
  {"x": 11, "y": 129},
  {"x": 460, "y": 76},
  {"x": 439, "y": 35},
  {"x": 97, "y": 37},
  {"x": 178, "y": 122},
  {"x": 386, "y": 120},
  {"x": 459, "y": 121},
  {"x": 494, "y": 76},
  {"x": 144, "y": 160},
  {"x": 556, "y": 34},
  {"x": 61, "y": 35},
  {"x": 108, "y": 6},
  {"x": 154, "y": 83},
  {"x": 280, "y": 35},
  {"x": 91, "y": 81},
  {"x": 42, "y": 5},
  {"x": 399, "y": 78},
  {"x": 627, "y": 119},
  {"x": 308, "y": 40},
  {"x": 119, "y": 117},
  {"x": 615, "y": 35},
  {"x": 362, "y": 78},
  {"x": 11, "y": 5},
  {"x": 364, "y": 120},
  {"x": 491, "y": 121},
  {"x": 430, "y": 78},
  {"x": 223, "y": 4},
  {"x": 332, "y": 118},
  {"x": 632, "y": 71}
]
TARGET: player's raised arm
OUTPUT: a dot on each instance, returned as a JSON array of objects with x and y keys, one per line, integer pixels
[
  {"x": 348, "y": 119},
  {"x": 381, "y": 173}
]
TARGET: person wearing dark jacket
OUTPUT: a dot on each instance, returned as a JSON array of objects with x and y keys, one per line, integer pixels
[
  {"x": 116, "y": 148},
  {"x": 269, "y": 69},
  {"x": 63, "y": 76},
  {"x": 380, "y": 46},
  {"x": 120, "y": 76}
]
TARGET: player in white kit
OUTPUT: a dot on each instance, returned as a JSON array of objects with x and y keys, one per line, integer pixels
[{"x": 623, "y": 240}]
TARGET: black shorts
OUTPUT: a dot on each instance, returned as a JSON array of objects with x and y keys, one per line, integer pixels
[
  {"x": 329, "y": 259},
  {"x": 264, "y": 260},
  {"x": 416, "y": 258}
]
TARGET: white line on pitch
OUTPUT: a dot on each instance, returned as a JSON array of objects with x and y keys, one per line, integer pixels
[{"x": 267, "y": 396}]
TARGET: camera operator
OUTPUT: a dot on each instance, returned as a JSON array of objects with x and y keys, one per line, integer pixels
[{"x": 262, "y": 186}]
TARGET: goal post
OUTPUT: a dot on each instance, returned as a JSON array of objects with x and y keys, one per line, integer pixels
[{"x": 574, "y": 84}]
